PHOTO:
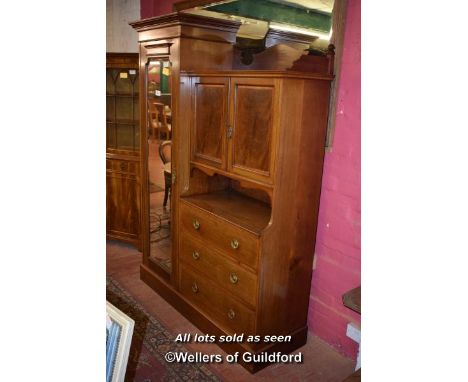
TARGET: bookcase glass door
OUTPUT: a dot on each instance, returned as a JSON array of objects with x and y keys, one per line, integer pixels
[
  {"x": 159, "y": 116},
  {"x": 122, "y": 114}
]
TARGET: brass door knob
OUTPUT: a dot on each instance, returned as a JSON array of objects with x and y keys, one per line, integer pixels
[
  {"x": 234, "y": 244},
  {"x": 196, "y": 224},
  {"x": 194, "y": 288},
  {"x": 195, "y": 255},
  {"x": 233, "y": 278},
  {"x": 231, "y": 314}
]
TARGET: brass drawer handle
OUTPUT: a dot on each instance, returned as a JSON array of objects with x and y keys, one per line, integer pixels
[
  {"x": 233, "y": 278},
  {"x": 231, "y": 314},
  {"x": 196, "y": 224},
  {"x": 195, "y": 255},
  {"x": 234, "y": 244},
  {"x": 194, "y": 288}
]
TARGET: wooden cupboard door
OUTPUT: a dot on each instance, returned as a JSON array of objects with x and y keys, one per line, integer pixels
[
  {"x": 123, "y": 206},
  {"x": 253, "y": 112},
  {"x": 208, "y": 140}
]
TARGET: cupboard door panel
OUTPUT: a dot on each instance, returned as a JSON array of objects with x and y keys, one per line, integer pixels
[
  {"x": 210, "y": 118},
  {"x": 253, "y": 115},
  {"x": 123, "y": 205}
]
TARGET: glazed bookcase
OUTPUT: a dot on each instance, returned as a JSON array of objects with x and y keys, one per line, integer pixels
[{"x": 123, "y": 189}]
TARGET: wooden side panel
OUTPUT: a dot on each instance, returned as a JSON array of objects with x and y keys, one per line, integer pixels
[
  {"x": 209, "y": 97},
  {"x": 288, "y": 244},
  {"x": 253, "y": 117},
  {"x": 183, "y": 147}
]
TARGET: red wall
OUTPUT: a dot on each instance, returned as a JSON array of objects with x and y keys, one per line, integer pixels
[
  {"x": 151, "y": 8},
  {"x": 338, "y": 248}
]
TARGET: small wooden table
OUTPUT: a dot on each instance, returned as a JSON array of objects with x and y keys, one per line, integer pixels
[{"x": 352, "y": 300}]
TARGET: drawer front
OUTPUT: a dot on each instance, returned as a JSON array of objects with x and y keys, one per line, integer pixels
[
  {"x": 218, "y": 268},
  {"x": 225, "y": 310},
  {"x": 240, "y": 245},
  {"x": 125, "y": 166}
]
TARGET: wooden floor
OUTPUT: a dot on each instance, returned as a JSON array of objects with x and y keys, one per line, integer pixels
[{"x": 321, "y": 362}]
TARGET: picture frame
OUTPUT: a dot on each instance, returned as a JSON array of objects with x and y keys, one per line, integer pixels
[{"x": 119, "y": 332}]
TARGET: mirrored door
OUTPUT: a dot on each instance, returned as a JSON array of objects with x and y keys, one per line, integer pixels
[{"x": 159, "y": 127}]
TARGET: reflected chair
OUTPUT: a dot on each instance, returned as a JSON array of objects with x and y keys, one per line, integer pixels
[
  {"x": 158, "y": 117},
  {"x": 153, "y": 120},
  {"x": 165, "y": 154}
]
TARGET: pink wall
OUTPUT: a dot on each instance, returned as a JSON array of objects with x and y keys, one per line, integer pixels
[{"x": 338, "y": 248}]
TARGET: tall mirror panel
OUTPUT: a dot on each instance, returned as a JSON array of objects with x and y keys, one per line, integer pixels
[{"x": 159, "y": 117}]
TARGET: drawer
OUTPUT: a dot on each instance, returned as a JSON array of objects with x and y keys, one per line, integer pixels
[
  {"x": 237, "y": 243},
  {"x": 119, "y": 165},
  {"x": 218, "y": 268},
  {"x": 224, "y": 309}
]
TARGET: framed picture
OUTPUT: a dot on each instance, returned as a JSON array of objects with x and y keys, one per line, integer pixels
[{"x": 119, "y": 332}]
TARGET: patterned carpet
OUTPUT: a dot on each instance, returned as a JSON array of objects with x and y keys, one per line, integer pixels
[{"x": 150, "y": 342}]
